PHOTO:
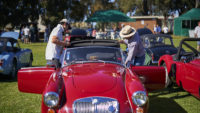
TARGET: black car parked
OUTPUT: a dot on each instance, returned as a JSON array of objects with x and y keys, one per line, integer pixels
[{"x": 157, "y": 45}]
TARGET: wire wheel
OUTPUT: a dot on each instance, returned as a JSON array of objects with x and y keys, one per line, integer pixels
[{"x": 168, "y": 82}]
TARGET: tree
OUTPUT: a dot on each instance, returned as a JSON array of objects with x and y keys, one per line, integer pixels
[
  {"x": 53, "y": 10},
  {"x": 196, "y": 3},
  {"x": 16, "y": 12}
]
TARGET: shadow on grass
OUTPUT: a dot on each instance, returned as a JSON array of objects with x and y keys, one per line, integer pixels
[
  {"x": 171, "y": 90},
  {"x": 164, "y": 105},
  {"x": 7, "y": 79}
]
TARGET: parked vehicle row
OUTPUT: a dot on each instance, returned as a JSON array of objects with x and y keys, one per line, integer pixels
[{"x": 94, "y": 78}]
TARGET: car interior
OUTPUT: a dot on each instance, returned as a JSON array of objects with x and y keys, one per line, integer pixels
[
  {"x": 188, "y": 52},
  {"x": 93, "y": 54}
]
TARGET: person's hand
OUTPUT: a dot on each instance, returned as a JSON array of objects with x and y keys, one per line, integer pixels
[
  {"x": 126, "y": 62},
  {"x": 120, "y": 41},
  {"x": 67, "y": 43}
]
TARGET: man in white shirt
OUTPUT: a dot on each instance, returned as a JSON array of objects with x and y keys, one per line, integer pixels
[
  {"x": 26, "y": 34},
  {"x": 56, "y": 44},
  {"x": 154, "y": 29},
  {"x": 197, "y": 35},
  {"x": 165, "y": 30}
]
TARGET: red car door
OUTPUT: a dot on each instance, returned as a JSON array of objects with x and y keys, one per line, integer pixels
[
  {"x": 33, "y": 80},
  {"x": 191, "y": 80},
  {"x": 153, "y": 77}
]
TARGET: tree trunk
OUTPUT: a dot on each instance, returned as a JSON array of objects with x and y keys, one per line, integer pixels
[
  {"x": 145, "y": 7},
  {"x": 196, "y": 3}
]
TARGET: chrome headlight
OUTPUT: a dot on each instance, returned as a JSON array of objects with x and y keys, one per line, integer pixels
[
  {"x": 139, "y": 98},
  {"x": 51, "y": 99}
]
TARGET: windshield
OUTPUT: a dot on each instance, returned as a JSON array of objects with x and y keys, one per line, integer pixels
[
  {"x": 92, "y": 54},
  {"x": 156, "y": 41}
]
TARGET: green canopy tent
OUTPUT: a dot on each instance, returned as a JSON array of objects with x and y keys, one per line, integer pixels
[
  {"x": 109, "y": 16},
  {"x": 186, "y": 22}
]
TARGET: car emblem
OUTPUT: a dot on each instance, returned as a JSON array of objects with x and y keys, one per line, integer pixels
[
  {"x": 94, "y": 101},
  {"x": 114, "y": 74}
]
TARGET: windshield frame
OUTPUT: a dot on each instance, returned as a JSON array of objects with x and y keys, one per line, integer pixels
[{"x": 95, "y": 61}]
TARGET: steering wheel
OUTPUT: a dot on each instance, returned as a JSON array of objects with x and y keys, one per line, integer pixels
[{"x": 189, "y": 56}]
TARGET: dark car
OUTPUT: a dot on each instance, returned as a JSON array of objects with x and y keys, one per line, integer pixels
[
  {"x": 157, "y": 45},
  {"x": 78, "y": 34},
  {"x": 183, "y": 68},
  {"x": 144, "y": 31}
]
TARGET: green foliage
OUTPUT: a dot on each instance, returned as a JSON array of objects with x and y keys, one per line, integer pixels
[{"x": 17, "y": 12}]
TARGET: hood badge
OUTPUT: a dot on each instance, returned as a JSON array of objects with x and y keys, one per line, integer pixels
[
  {"x": 114, "y": 74},
  {"x": 94, "y": 101}
]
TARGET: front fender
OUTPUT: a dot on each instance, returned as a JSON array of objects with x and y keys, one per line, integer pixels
[
  {"x": 132, "y": 85},
  {"x": 54, "y": 84},
  {"x": 168, "y": 60},
  {"x": 8, "y": 62}
]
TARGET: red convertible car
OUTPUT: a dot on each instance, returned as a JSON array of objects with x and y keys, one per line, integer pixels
[
  {"x": 184, "y": 67},
  {"x": 92, "y": 79}
]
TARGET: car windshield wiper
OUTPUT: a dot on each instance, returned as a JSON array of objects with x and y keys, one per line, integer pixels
[
  {"x": 77, "y": 62},
  {"x": 96, "y": 60},
  {"x": 81, "y": 62}
]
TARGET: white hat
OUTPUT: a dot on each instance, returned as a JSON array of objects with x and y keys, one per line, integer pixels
[
  {"x": 127, "y": 31},
  {"x": 63, "y": 20}
]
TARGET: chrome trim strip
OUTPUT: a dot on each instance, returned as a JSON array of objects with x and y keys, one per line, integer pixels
[{"x": 154, "y": 62}]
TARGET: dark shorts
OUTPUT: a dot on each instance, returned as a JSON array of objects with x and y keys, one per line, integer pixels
[
  {"x": 26, "y": 36},
  {"x": 137, "y": 61},
  {"x": 54, "y": 62},
  {"x": 198, "y": 42}
]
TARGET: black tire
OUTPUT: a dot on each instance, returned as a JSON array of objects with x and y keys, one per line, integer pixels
[
  {"x": 31, "y": 60},
  {"x": 13, "y": 73},
  {"x": 30, "y": 63},
  {"x": 168, "y": 82}
]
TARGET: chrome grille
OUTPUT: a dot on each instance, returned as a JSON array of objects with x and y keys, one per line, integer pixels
[{"x": 96, "y": 105}]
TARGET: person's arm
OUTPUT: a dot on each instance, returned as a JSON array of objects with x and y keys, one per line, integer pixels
[
  {"x": 195, "y": 32},
  {"x": 195, "y": 35},
  {"x": 132, "y": 52},
  {"x": 123, "y": 41},
  {"x": 58, "y": 42}
]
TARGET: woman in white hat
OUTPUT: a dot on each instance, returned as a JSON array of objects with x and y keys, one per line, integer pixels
[{"x": 136, "y": 53}]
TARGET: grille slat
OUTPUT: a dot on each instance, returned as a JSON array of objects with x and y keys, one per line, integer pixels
[{"x": 96, "y": 105}]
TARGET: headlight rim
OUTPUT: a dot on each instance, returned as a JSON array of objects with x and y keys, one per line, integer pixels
[
  {"x": 134, "y": 99},
  {"x": 51, "y": 93}
]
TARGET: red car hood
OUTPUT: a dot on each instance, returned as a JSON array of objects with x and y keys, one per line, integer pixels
[{"x": 94, "y": 77}]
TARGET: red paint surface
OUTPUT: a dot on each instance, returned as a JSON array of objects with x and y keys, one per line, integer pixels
[
  {"x": 187, "y": 74},
  {"x": 90, "y": 79}
]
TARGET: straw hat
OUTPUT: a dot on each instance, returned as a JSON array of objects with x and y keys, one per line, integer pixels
[
  {"x": 63, "y": 21},
  {"x": 127, "y": 32}
]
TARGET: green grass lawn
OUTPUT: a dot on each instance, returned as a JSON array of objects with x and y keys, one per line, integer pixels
[{"x": 172, "y": 100}]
